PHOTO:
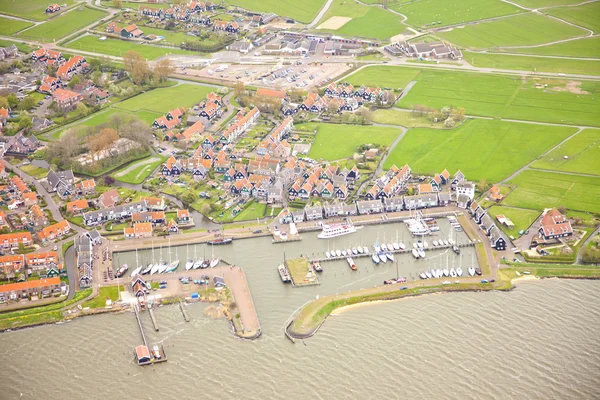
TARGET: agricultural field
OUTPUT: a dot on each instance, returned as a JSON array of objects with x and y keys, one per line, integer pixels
[
  {"x": 165, "y": 99},
  {"x": 520, "y": 30},
  {"x": 545, "y": 3},
  {"x": 481, "y": 149},
  {"x": 522, "y": 218},
  {"x": 449, "y": 12},
  {"x": 9, "y": 26},
  {"x": 336, "y": 141},
  {"x": 395, "y": 116},
  {"x": 537, "y": 190},
  {"x": 369, "y": 22},
  {"x": 118, "y": 48},
  {"x": 586, "y": 15},
  {"x": 304, "y": 11},
  {"x": 585, "y": 48},
  {"x": 23, "y": 47},
  {"x": 533, "y": 63},
  {"x": 63, "y": 24},
  {"x": 29, "y": 9},
  {"x": 582, "y": 152},
  {"x": 384, "y": 76},
  {"x": 137, "y": 172}
]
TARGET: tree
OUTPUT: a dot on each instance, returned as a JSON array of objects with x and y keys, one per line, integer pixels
[
  {"x": 482, "y": 186},
  {"x": 74, "y": 81},
  {"x": 101, "y": 141},
  {"x": 458, "y": 114},
  {"x": 82, "y": 109},
  {"x": 117, "y": 3},
  {"x": 3, "y": 102},
  {"x": 205, "y": 209},
  {"x": 108, "y": 180},
  {"x": 25, "y": 122},
  {"x": 449, "y": 123},
  {"x": 562, "y": 209},
  {"x": 163, "y": 69},
  {"x": 238, "y": 88},
  {"x": 130, "y": 58},
  {"x": 27, "y": 103},
  {"x": 12, "y": 100},
  {"x": 188, "y": 197}
]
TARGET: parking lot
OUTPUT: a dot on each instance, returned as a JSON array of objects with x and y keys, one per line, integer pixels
[{"x": 299, "y": 74}]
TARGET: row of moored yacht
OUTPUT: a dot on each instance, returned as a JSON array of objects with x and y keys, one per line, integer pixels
[{"x": 452, "y": 272}]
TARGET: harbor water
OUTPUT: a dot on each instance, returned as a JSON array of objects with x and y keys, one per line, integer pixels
[{"x": 537, "y": 341}]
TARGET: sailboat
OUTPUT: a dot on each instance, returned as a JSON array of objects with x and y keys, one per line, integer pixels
[
  {"x": 190, "y": 262},
  {"x": 365, "y": 250},
  {"x": 162, "y": 265},
  {"x": 173, "y": 264},
  {"x": 199, "y": 261},
  {"x": 375, "y": 258},
  {"x": 389, "y": 255},
  {"x": 459, "y": 270},
  {"x": 214, "y": 261},
  {"x": 139, "y": 268},
  {"x": 471, "y": 268},
  {"x": 382, "y": 257},
  {"x": 445, "y": 271},
  {"x": 150, "y": 265}
]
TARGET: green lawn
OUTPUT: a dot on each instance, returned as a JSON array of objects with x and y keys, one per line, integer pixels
[
  {"x": 522, "y": 218},
  {"x": 370, "y": 22},
  {"x": 532, "y": 63},
  {"x": 520, "y": 30},
  {"x": 137, "y": 172},
  {"x": 539, "y": 189},
  {"x": 545, "y": 3},
  {"x": 334, "y": 142},
  {"x": 586, "y": 15},
  {"x": 112, "y": 292},
  {"x": 394, "y": 116},
  {"x": 449, "y": 12},
  {"x": 489, "y": 95},
  {"x": 251, "y": 212},
  {"x": 9, "y": 26},
  {"x": 304, "y": 11},
  {"x": 23, "y": 47},
  {"x": 117, "y": 47},
  {"x": 481, "y": 149},
  {"x": 36, "y": 172},
  {"x": 586, "y": 47},
  {"x": 29, "y": 9},
  {"x": 583, "y": 152},
  {"x": 63, "y": 24},
  {"x": 165, "y": 99}
]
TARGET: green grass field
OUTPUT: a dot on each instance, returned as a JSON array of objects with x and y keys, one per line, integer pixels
[
  {"x": 522, "y": 218},
  {"x": 539, "y": 189},
  {"x": 370, "y": 22},
  {"x": 586, "y": 15},
  {"x": 586, "y": 47},
  {"x": 165, "y": 99},
  {"x": 9, "y": 26},
  {"x": 137, "y": 172},
  {"x": 63, "y": 25},
  {"x": 334, "y": 142},
  {"x": 303, "y": 11},
  {"x": 404, "y": 118},
  {"x": 29, "y": 9},
  {"x": 481, "y": 149},
  {"x": 118, "y": 48},
  {"x": 583, "y": 152},
  {"x": 448, "y": 12},
  {"x": 520, "y": 30},
  {"x": 112, "y": 292},
  {"x": 383, "y": 76},
  {"x": 36, "y": 172},
  {"x": 251, "y": 212},
  {"x": 533, "y": 63},
  {"x": 545, "y": 3}
]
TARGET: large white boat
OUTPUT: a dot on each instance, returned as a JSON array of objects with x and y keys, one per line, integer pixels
[{"x": 334, "y": 230}]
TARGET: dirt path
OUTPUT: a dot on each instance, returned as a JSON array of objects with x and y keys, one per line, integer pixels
[
  {"x": 320, "y": 14},
  {"x": 135, "y": 165}
]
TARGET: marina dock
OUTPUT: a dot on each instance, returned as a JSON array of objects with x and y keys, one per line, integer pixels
[
  {"x": 186, "y": 316},
  {"x": 142, "y": 352},
  {"x": 153, "y": 318}
]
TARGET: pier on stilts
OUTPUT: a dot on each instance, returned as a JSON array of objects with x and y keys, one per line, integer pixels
[
  {"x": 186, "y": 316},
  {"x": 153, "y": 318},
  {"x": 142, "y": 352}
]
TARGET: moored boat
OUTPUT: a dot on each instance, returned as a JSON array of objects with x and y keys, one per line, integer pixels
[
  {"x": 121, "y": 271},
  {"x": 154, "y": 269},
  {"x": 284, "y": 274},
  {"x": 360, "y": 250},
  {"x": 422, "y": 275},
  {"x": 415, "y": 253},
  {"x": 344, "y": 253},
  {"x": 198, "y": 263},
  {"x": 455, "y": 249},
  {"x": 349, "y": 252},
  {"x": 351, "y": 263},
  {"x": 220, "y": 241},
  {"x": 402, "y": 246},
  {"x": 428, "y": 274},
  {"x": 327, "y": 254},
  {"x": 189, "y": 264},
  {"x": 214, "y": 262},
  {"x": 338, "y": 253},
  {"x": 147, "y": 270},
  {"x": 317, "y": 266},
  {"x": 375, "y": 258},
  {"x": 162, "y": 267},
  {"x": 136, "y": 271},
  {"x": 354, "y": 251},
  {"x": 421, "y": 253},
  {"x": 382, "y": 257},
  {"x": 478, "y": 271},
  {"x": 334, "y": 230},
  {"x": 471, "y": 271},
  {"x": 156, "y": 352},
  {"x": 459, "y": 271},
  {"x": 365, "y": 250},
  {"x": 435, "y": 243},
  {"x": 419, "y": 244},
  {"x": 453, "y": 272},
  {"x": 396, "y": 246},
  {"x": 390, "y": 256}
]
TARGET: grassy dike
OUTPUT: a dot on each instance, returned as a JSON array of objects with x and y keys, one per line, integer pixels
[{"x": 314, "y": 314}]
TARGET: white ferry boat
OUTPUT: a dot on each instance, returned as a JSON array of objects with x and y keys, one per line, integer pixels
[{"x": 334, "y": 230}]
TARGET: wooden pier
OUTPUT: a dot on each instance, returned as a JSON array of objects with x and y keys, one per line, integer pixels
[
  {"x": 150, "y": 359},
  {"x": 153, "y": 318},
  {"x": 139, "y": 320},
  {"x": 186, "y": 316}
]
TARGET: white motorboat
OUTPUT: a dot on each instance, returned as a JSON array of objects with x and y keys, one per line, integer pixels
[
  {"x": 419, "y": 244},
  {"x": 459, "y": 271},
  {"x": 335, "y": 230},
  {"x": 354, "y": 251},
  {"x": 365, "y": 250},
  {"x": 402, "y": 246},
  {"x": 338, "y": 253},
  {"x": 453, "y": 273},
  {"x": 396, "y": 246},
  {"x": 349, "y": 252},
  {"x": 359, "y": 249},
  {"x": 471, "y": 271},
  {"x": 214, "y": 262},
  {"x": 422, "y": 275},
  {"x": 421, "y": 253},
  {"x": 415, "y": 253},
  {"x": 136, "y": 271},
  {"x": 375, "y": 258},
  {"x": 344, "y": 253},
  {"x": 327, "y": 254}
]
